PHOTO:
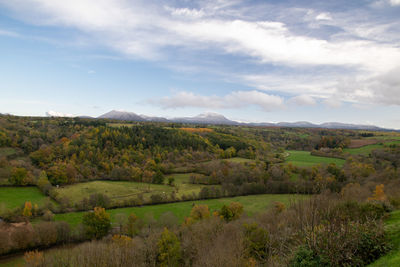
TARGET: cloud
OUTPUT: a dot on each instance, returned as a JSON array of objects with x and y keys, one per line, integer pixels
[
  {"x": 332, "y": 102},
  {"x": 303, "y": 100},
  {"x": 236, "y": 99},
  {"x": 394, "y": 2},
  {"x": 323, "y": 16},
  {"x": 144, "y": 30},
  {"x": 9, "y": 33},
  {"x": 52, "y": 113},
  {"x": 352, "y": 63}
]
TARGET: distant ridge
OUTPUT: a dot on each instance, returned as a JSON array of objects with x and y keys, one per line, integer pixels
[{"x": 215, "y": 118}]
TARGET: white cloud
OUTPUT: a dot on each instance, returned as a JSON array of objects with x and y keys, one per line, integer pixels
[
  {"x": 236, "y": 99},
  {"x": 323, "y": 16},
  {"x": 394, "y": 2},
  {"x": 332, "y": 102},
  {"x": 365, "y": 54},
  {"x": 52, "y": 113},
  {"x": 303, "y": 100}
]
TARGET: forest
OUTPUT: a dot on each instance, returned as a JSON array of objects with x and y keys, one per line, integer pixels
[{"x": 98, "y": 192}]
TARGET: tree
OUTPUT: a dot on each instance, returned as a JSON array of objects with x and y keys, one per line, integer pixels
[
  {"x": 256, "y": 241},
  {"x": 97, "y": 223},
  {"x": 158, "y": 178},
  {"x": 379, "y": 194},
  {"x": 169, "y": 249},
  {"x": 27, "y": 212},
  {"x": 231, "y": 212},
  {"x": 18, "y": 176},
  {"x": 43, "y": 183},
  {"x": 198, "y": 212},
  {"x": 131, "y": 225}
]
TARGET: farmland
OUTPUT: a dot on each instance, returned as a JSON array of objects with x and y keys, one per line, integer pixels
[
  {"x": 252, "y": 205},
  {"x": 13, "y": 197},
  {"x": 305, "y": 159},
  {"x": 365, "y": 150},
  {"x": 121, "y": 190}
]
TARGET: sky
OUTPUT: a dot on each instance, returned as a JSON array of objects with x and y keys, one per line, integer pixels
[{"x": 252, "y": 61}]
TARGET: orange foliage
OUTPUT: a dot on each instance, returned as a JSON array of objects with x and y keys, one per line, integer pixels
[
  {"x": 197, "y": 130},
  {"x": 34, "y": 258},
  {"x": 378, "y": 194}
]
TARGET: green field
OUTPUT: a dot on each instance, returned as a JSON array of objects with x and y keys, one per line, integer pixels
[
  {"x": 121, "y": 190},
  {"x": 305, "y": 159},
  {"x": 252, "y": 204},
  {"x": 7, "y": 151},
  {"x": 14, "y": 197},
  {"x": 239, "y": 160},
  {"x": 365, "y": 150},
  {"x": 392, "y": 227}
]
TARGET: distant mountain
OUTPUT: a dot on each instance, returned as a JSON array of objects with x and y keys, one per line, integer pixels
[
  {"x": 206, "y": 118},
  {"x": 121, "y": 115},
  {"x": 302, "y": 124},
  {"x": 338, "y": 125},
  {"x": 215, "y": 118}
]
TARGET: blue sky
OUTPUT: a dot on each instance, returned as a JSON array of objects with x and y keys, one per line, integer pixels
[{"x": 271, "y": 61}]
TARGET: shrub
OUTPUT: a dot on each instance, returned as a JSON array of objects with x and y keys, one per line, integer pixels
[
  {"x": 231, "y": 212},
  {"x": 169, "y": 249},
  {"x": 97, "y": 223}
]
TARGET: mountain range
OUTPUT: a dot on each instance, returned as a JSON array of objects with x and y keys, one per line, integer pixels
[{"x": 214, "y": 118}]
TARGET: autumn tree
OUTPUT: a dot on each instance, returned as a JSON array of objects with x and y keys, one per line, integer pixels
[
  {"x": 169, "y": 249},
  {"x": 97, "y": 223},
  {"x": 231, "y": 212},
  {"x": 198, "y": 212},
  {"x": 379, "y": 194},
  {"x": 27, "y": 212}
]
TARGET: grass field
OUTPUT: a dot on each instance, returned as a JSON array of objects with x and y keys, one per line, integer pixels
[
  {"x": 121, "y": 190},
  {"x": 239, "y": 160},
  {"x": 7, "y": 151},
  {"x": 365, "y": 150},
  {"x": 14, "y": 197},
  {"x": 252, "y": 204},
  {"x": 305, "y": 159},
  {"x": 392, "y": 227}
]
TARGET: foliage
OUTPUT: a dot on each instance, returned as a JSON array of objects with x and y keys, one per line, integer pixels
[
  {"x": 169, "y": 249},
  {"x": 27, "y": 212},
  {"x": 97, "y": 223},
  {"x": 257, "y": 241},
  {"x": 231, "y": 212}
]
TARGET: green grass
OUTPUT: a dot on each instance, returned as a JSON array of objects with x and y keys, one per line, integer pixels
[
  {"x": 305, "y": 159},
  {"x": 7, "y": 151},
  {"x": 121, "y": 190},
  {"x": 252, "y": 204},
  {"x": 239, "y": 160},
  {"x": 366, "y": 150},
  {"x": 14, "y": 197},
  {"x": 13, "y": 262},
  {"x": 392, "y": 227}
]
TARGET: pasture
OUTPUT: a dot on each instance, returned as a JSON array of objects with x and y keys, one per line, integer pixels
[
  {"x": 7, "y": 151},
  {"x": 252, "y": 205},
  {"x": 366, "y": 150},
  {"x": 14, "y": 197},
  {"x": 305, "y": 159},
  {"x": 392, "y": 227},
  {"x": 122, "y": 190}
]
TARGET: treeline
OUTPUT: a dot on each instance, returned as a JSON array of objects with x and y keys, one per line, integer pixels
[{"x": 325, "y": 230}]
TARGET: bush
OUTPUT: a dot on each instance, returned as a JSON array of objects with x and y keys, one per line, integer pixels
[{"x": 97, "y": 223}]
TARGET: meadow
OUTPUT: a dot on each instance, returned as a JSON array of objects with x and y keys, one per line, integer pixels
[
  {"x": 392, "y": 228},
  {"x": 121, "y": 190},
  {"x": 366, "y": 150},
  {"x": 252, "y": 204},
  {"x": 13, "y": 197},
  {"x": 305, "y": 159}
]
